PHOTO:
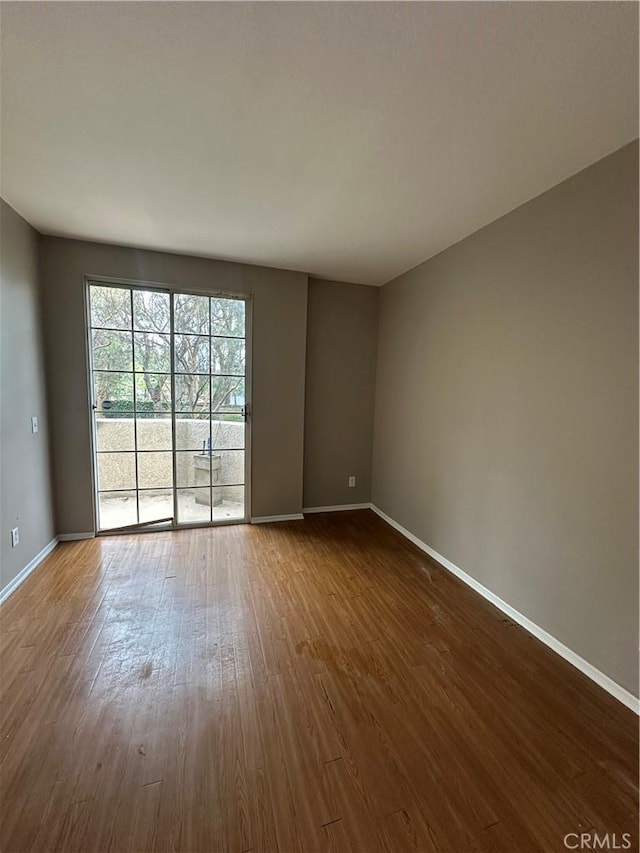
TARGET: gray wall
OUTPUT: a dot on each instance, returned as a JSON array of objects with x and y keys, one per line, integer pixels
[
  {"x": 279, "y": 333},
  {"x": 506, "y": 425},
  {"x": 25, "y": 498},
  {"x": 342, "y": 335}
]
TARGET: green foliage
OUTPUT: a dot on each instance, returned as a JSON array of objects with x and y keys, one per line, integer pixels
[
  {"x": 124, "y": 408},
  {"x": 131, "y": 333}
]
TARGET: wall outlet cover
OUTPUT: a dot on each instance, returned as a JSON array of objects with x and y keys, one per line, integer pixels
[
  {"x": 352, "y": 482},
  {"x": 15, "y": 537}
]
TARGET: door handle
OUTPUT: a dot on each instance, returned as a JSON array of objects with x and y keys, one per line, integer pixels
[{"x": 245, "y": 412}]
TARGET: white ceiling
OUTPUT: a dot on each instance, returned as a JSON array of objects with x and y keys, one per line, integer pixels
[{"x": 347, "y": 140}]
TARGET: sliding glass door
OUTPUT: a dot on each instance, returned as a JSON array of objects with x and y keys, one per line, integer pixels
[{"x": 170, "y": 412}]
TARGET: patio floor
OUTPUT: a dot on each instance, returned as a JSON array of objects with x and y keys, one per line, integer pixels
[{"x": 120, "y": 511}]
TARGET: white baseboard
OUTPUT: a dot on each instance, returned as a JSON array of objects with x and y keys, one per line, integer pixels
[
  {"x": 73, "y": 537},
  {"x": 267, "y": 519},
  {"x": 602, "y": 680},
  {"x": 335, "y": 508},
  {"x": 24, "y": 573}
]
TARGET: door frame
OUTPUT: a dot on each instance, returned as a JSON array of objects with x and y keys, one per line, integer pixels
[{"x": 160, "y": 287}]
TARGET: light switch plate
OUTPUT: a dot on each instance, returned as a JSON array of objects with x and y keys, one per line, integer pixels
[
  {"x": 15, "y": 537},
  {"x": 34, "y": 424}
]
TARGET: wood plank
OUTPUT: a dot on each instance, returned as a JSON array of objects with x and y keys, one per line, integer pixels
[{"x": 307, "y": 686}]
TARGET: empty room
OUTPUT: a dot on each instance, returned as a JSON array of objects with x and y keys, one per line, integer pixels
[{"x": 319, "y": 513}]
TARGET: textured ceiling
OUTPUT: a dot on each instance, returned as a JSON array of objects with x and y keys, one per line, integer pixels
[{"x": 351, "y": 141}]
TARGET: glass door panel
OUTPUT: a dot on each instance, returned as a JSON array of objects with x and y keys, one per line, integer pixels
[
  {"x": 169, "y": 400},
  {"x": 209, "y": 387}
]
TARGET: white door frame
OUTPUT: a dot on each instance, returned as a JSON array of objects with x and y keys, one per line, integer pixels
[{"x": 171, "y": 289}]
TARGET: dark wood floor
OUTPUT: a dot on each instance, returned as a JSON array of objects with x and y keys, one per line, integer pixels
[{"x": 315, "y": 685}]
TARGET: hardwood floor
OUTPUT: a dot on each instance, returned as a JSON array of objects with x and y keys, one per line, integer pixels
[{"x": 318, "y": 685}]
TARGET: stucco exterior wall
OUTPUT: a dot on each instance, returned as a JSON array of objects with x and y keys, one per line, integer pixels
[{"x": 114, "y": 435}]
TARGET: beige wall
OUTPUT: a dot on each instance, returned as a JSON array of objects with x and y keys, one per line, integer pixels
[
  {"x": 116, "y": 434},
  {"x": 342, "y": 335},
  {"x": 506, "y": 426},
  {"x": 24, "y": 457},
  {"x": 279, "y": 334}
]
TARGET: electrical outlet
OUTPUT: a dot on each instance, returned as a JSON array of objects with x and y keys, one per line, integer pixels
[
  {"x": 15, "y": 537},
  {"x": 352, "y": 482},
  {"x": 34, "y": 424}
]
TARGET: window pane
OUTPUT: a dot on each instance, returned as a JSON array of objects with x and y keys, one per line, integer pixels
[
  {"x": 152, "y": 352},
  {"x": 155, "y": 504},
  {"x": 134, "y": 398},
  {"x": 228, "y": 467},
  {"x": 116, "y": 471},
  {"x": 227, "y": 317},
  {"x": 115, "y": 434},
  {"x": 113, "y": 393},
  {"x": 193, "y": 468},
  {"x": 116, "y": 509},
  {"x": 227, "y": 393},
  {"x": 192, "y": 393},
  {"x": 194, "y": 505},
  {"x": 150, "y": 311},
  {"x": 227, "y": 433},
  {"x": 111, "y": 350},
  {"x": 155, "y": 470},
  {"x": 154, "y": 431},
  {"x": 193, "y": 431},
  {"x": 227, "y": 356},
  {"x": 110, "y": 307},
  {"x": 191, "y": 354},
  {"x": 153, "y": 392},
  {"x": 228, "y": 503},
  {"x": 191, "y": 314}
]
